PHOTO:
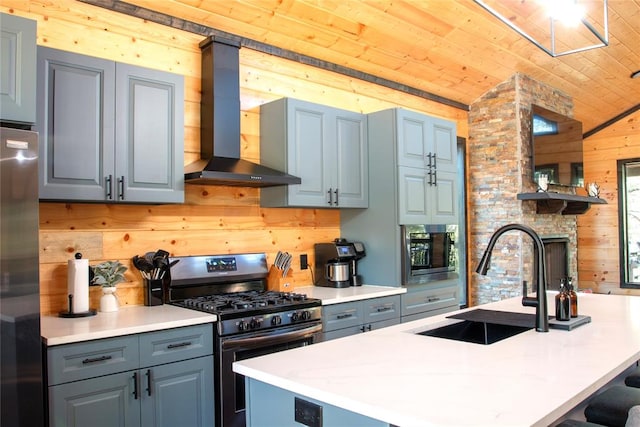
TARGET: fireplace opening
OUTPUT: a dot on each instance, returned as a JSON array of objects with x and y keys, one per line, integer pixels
[{"x": 556, "y": 252}]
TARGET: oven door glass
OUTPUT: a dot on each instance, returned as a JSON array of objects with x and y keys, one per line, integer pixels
[
  {"x": 253, "y": 345},
  {"x": 431, "y": 252}
]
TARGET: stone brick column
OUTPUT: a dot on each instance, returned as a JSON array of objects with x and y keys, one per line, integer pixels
[{"x": 500, "y": 157}]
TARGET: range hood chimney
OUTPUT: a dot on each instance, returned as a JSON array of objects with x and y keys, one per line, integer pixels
[{"x": 220, "y": 162}]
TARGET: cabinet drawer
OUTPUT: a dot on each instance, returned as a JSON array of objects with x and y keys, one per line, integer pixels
[
  {"x": 339, "y": 316},
  {"x": 379, "y": 309},
  {"x": 83, "y": 360},
  {"x": 429, "y": 299},
  {"x": 176, "y": 344}
]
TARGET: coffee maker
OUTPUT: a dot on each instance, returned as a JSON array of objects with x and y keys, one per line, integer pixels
[{"x": 336, "y": 263}]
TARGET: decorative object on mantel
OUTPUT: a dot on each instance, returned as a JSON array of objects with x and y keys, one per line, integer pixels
[
  {"x": 593, "y": 189},
  {"x": 570, "y": 25},
  {"x": 543, "y": 182},
  {"x": 566, "y": 204},
  {"x": 108, "y": 274}
]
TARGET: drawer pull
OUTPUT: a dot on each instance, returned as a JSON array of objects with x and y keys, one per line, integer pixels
[
  {"x": 96, "y": 359},
  {"x": 182, "y": 344},
  {"x": 433, "y": 299},
  {"x": 343, "y": 316},
  {"x": 385, "y": 308}
]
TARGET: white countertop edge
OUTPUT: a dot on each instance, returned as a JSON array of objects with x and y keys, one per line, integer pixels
[
  {"x": 285, "y": 370},
  {"x": 331, "y": 296},
  {"x": 127, "y": 320}
]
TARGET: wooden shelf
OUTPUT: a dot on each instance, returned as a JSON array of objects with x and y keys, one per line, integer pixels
[{"x": 566, "y": 204}]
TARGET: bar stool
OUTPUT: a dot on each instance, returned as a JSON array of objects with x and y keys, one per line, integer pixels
[
  {"x": 577, "y": 423},
  {"x": 633, "y": 380},
  {"x": 611, "y": 407}
]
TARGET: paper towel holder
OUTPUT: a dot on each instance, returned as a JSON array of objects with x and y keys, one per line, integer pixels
[{"x": 70, "y": 313}]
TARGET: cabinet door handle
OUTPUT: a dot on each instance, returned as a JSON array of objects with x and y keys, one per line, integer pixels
[
  {"x": 330, "y": 202},
  {"x": 336, "y": 193},
  {"x": 96, "y": 359},
  {"x": 430, "y": 173},
  {"x": 121, "y": 188},
  {"x": 135, "y": 385},
  {"x": 427, "y": 160},
  {"x": 148, "y": 374},
  {"x": 434, "y": 161},
  {"x": 435, "y": 177},
  {"x": 366, "y": 328},
  {"x": 109, "y": 187},
  {"x": 182, "y": 344}
]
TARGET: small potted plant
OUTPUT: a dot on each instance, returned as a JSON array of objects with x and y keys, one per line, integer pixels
[{"x": 108, "y": 274}]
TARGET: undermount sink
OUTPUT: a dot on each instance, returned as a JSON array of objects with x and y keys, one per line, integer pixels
[{"x": 483, "y": 326}]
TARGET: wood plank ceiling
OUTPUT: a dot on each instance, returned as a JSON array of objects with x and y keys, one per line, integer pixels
[{"x": 451, "y": 48}]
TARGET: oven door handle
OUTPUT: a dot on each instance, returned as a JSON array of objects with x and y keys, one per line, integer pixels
[{"x": 273, "y": 337}]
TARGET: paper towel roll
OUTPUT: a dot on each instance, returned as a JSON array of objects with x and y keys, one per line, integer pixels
[{"x": 78, "y": 284}]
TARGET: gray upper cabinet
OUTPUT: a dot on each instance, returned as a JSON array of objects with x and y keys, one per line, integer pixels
[
  {"x": 426, "y": 165},
  {"x": 109, "y": 132},
  {"x": 326, "y": 147},
  {"x": 17, "y": 69}
]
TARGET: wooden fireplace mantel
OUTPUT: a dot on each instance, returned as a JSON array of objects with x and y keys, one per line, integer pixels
[{"x": 566, "y": 204}]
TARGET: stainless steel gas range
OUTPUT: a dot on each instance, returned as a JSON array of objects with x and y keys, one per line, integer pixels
[{"x": 252, "y": 321}]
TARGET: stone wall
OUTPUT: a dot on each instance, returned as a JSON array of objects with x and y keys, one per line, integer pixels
[{"x": 500, "y": 156}]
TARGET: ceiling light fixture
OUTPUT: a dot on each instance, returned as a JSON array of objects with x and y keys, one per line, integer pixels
[{"x": 563, "y": 34}]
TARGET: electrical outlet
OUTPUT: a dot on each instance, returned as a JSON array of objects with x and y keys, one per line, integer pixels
[
  {"x": 304, "y": 262},
  {"x": 308, "y": 413}
]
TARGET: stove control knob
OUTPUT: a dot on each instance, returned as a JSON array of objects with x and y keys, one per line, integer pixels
[
  {"x": 242, "y": 325},
  {"x": 306, "y": 315},
  {"x": 294, "y": 316},
  {"x": 276, "y": 320}
]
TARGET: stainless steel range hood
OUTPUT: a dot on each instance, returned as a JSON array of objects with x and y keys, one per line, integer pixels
[{"x": 220, "y": 162}]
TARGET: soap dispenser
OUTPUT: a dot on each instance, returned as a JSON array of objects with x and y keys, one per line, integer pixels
[
  {"x": 563, "y": 305},
  {"x": 573, "y": 297}
]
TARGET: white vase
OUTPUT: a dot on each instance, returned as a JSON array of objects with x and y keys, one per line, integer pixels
[{"x": 108, "y": 300}]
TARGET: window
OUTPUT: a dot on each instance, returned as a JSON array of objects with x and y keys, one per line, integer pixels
[
  {"x": 629, "y": 208},
  {"x": 544, "y": 126}
]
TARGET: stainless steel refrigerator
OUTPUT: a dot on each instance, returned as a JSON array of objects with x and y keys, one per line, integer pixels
[{"x": 21, "y": 392}]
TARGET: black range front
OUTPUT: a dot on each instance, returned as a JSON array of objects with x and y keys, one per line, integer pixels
[{"x": 252, "y": 321}]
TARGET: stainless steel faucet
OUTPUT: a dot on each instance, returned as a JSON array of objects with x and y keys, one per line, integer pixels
[{"x": 540, "y": 301}]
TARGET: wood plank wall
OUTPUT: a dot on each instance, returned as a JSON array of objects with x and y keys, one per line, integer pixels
[
  {"x": 598, "y": 245},
  {"x": 213, "y": 219}
]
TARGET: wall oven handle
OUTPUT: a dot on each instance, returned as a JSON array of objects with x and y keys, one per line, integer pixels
[{"x": 273, "y": 337}]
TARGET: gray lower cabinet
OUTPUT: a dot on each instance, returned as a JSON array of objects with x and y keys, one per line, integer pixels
[
  {"x": 269, "y": 406},
  {"x": 155, "y": 379},
  {"x": 350, "y": 318},
  {"x": 17, "y": 69},
  {"x": 109, "y": 132},
  {"x": 326, "y": 147},
  {"x": 429, "y": 300}
]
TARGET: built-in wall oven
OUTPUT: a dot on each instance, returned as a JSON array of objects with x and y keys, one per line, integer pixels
[
  {"x": 252, "y": 321},
  {"x": 429, "y": 253}
]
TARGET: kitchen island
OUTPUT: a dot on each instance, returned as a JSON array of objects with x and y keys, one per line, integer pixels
[{"x": 395, "y": 376}]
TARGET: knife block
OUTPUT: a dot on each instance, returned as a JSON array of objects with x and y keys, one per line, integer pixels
[{"x": 275, "y": 281}]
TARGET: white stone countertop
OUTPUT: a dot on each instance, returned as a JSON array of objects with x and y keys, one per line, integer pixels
[
  {"x": 405, "y": 379},
  {"x": 128, "y": 320},
  {"x": 352, "y": 293}
]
